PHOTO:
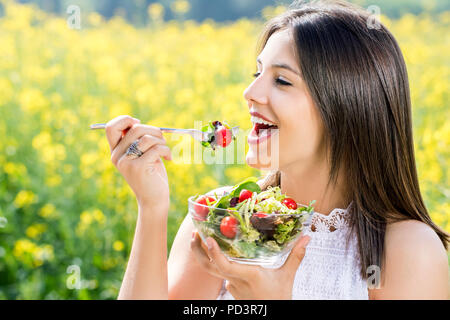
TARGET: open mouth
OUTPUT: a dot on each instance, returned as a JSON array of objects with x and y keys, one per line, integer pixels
[
  {"x": 261, "y": 127},
  {"x": 260, "y": 133}
]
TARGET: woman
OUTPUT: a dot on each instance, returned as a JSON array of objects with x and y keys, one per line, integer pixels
[{"x": 337, "y": 91}]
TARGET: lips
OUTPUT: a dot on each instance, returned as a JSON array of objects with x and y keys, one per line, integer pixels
[{"x": 259, "y": 115}]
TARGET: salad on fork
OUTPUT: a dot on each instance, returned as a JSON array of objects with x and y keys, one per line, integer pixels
[{"x": 214, "y": 134}]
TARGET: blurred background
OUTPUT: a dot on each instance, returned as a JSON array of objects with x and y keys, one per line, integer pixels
[{"x": 67, "y": 217}]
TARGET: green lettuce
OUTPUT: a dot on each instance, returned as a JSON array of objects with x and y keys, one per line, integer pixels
[{"x": 284, "y": 230}]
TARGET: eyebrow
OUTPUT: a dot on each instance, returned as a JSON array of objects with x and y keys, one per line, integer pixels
[{"x": 282, "y": 66}]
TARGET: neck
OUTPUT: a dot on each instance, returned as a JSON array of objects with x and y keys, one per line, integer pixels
[{"x": 309, "y": 183}]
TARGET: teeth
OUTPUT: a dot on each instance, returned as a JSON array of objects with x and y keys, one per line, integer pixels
[{"x": 259, "y": 120}]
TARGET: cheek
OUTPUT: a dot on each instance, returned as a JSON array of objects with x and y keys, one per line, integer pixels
[{"x": 301, "y": 134}]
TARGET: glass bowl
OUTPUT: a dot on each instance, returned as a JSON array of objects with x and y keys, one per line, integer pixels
[{"x": 260, "y": 248}]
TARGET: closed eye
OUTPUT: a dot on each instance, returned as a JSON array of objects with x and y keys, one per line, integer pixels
[
  {"x": 278, "y": 80},
  {"x": 282, "y": 82}
]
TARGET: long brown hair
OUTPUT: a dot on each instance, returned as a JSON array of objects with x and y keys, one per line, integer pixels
[{"x": 357, "y": 77}]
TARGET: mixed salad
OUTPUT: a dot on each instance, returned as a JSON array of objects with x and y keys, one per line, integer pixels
[
  {"x": 219, "y": 134},
  {"x": 247, "y": 222}
]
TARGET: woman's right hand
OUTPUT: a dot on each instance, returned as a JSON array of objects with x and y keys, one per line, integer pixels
[{"x": 146, "y": 174}]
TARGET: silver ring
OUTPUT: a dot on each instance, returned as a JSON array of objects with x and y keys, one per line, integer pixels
[{"x": 134, "y": 150}]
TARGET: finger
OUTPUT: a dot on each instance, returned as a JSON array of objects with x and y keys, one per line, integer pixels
[
  {"x": 231, "y": 270},
  {"x": 199, "y": 250},
  {"x": 147, "y": 141},
  {"x": 154, "y": 154},
  {"x": 296, "y": 255},
  {"x": 135, "y": 133},
  {"x": 116, "y": 126},
  {"x": 144, "y": 144},
  {"x": 150, "y": 158}
]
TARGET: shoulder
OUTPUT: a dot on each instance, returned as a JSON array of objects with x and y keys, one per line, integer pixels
[
  {"x": 410, "y": 228},
  {"x": 412, "y": 235},
  {"x": 416, "y": 263},
  {"x": 415, "y": 242}
]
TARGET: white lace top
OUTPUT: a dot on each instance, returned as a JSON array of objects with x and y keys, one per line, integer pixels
[{"x": 328, "y": 270}]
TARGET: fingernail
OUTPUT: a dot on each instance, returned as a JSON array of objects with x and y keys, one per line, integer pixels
[{"x": 193, "y": 234}]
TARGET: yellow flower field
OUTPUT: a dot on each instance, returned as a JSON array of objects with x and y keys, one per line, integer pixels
[{"x": 66, "y": 215}]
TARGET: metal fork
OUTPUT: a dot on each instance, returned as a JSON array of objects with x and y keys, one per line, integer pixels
[{"x": 196, "y": 134}]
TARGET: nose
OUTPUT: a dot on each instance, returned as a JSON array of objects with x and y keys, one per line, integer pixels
[{"x": 257, "y": 92}]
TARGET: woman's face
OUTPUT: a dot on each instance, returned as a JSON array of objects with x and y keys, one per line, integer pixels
[{"x": 281, "y": 97}]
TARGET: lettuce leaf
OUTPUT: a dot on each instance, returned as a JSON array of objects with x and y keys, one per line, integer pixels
[
  {"x": 249, "y": 184},
  {"x": 283, "y": 232}
]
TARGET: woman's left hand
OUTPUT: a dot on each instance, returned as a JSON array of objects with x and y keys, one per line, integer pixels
[{"x": 250, "y": 282}]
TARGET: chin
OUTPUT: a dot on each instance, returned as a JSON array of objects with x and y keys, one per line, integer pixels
[{"x": 260, "y": 163}]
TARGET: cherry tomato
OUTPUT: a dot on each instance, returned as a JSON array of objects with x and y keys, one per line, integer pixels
[
  {"x": 290, "y": 203},
  {"x": 260, "y": 214},
  {"x": 201, "y": 211},
  {"x": 228, "y": 227},
  {"x": 245, "y": 194},
  {"x": 223, "y": 136}
]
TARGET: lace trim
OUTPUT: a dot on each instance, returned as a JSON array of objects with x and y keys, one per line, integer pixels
[{"x": 337, "y": 219}]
